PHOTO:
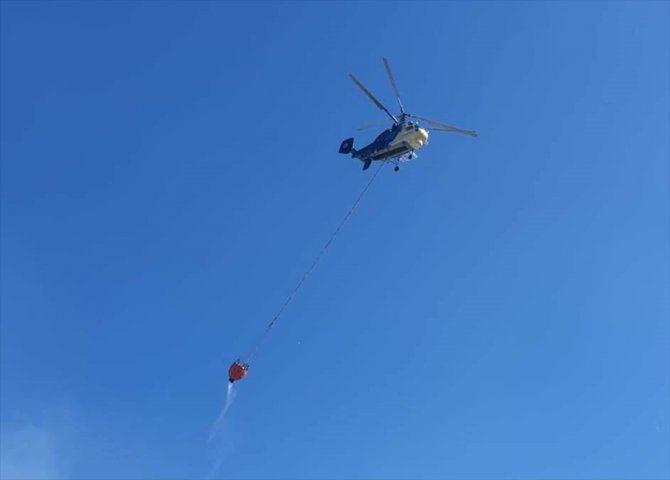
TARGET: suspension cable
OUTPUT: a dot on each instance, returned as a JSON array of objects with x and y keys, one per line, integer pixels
[{"x": 313, "y": 266}]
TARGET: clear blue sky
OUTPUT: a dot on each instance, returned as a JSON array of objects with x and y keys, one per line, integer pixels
[{"x": 497, "y": 309}]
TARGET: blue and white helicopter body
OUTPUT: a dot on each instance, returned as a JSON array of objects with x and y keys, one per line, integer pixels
[{"x": 400, "y": 142}]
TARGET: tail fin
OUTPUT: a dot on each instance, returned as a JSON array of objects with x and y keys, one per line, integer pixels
[{"x": 347, "y": 146}]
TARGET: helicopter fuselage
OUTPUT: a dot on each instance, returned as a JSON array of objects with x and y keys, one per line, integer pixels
[{"x": 398, "y": 142}]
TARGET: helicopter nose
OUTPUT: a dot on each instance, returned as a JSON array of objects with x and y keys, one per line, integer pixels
[{"x": 421, "y": 138}]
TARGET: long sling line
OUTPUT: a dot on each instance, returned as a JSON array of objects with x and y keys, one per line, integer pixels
[{"x": 313, "y": 266}]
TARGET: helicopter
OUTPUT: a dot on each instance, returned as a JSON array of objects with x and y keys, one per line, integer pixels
[{"x": 400, "y": 142}]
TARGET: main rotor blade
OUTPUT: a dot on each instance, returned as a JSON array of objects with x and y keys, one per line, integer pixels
[
  {"x": 372, "y": 97},
  {"x": 372, "y": 125},
  {"x": 446, "y": 128},
  {"x": 393, "y": 84}
]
